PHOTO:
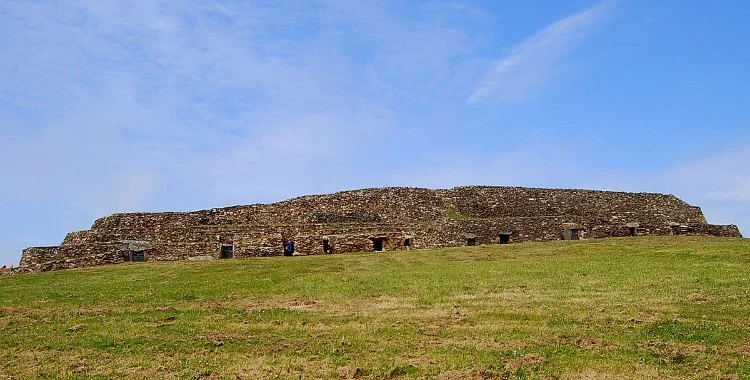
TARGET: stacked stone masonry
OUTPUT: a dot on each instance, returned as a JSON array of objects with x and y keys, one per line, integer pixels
[{"x": 361, "y": 220}]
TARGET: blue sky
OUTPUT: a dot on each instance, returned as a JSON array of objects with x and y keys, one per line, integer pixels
[{"x": 110, "y": 106}]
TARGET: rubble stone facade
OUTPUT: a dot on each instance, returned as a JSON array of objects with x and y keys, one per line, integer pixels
[{"x": 375, "y": 219}]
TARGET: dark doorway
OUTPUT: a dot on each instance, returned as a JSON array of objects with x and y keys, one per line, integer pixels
[
  {"x": 227, "y": 252},
  {"x": 138, "y": 257},
  {"x": 632, "y": 231},
  {"x": 504, "y": 238},
  {"x": 326, "y": 245},
  {"x": 571, "y": 234},
  {"x": 407, "y": 243},
  {"x": 377, "y": 245},
  {"x": 471, "y": 241}
]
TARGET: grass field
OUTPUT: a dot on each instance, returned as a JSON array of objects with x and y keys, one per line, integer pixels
[{"x": 667, "y": 307}]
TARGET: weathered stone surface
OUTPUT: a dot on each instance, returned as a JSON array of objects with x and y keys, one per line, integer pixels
[
  {"x": 201, "y": 258},
  {"x": 138, "y": 246},
  {"x": 353, "y": 220}
]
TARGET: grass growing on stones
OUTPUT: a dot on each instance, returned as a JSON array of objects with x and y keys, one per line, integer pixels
[{"x": 666, "y": 307}]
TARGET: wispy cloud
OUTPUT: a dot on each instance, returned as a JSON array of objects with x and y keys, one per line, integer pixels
[{"x": 534, "y": 62}]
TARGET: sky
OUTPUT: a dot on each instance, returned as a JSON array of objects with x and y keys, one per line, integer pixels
[{"x": 149, "y": 105}]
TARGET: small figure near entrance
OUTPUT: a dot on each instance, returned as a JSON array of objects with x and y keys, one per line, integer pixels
[
  {"x": 289, "y": 248},
  {"x": 327, "y": 245}
]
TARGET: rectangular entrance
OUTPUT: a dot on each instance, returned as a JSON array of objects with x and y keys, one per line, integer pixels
[
  {"x": 227, "y": 252},
  {"x": 138, "y": 257},
  {"x": 571, "y": 231},
  {"x": 377, "y": 245},
  {"x": 504, "y": 238}
]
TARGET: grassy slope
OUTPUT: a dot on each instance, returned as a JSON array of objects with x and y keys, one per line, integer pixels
[{"x": 641, "y": 307}]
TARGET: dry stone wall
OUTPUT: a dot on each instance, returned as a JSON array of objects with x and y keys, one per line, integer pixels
[{"x": 367, "y": 219}]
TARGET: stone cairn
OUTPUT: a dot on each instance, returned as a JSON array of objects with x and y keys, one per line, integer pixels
[{"x": 396, "y": 218}]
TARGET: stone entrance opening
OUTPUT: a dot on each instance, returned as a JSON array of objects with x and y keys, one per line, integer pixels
[
  {"x": 679, "y": 229},
  {"x": 633, "y": 228},
  {"x": 471, "y": 239},
  {"x": 326, "y": 245},
  {"x": 571, "y": 231},
  {"x": 227, "y": 252},
  {"x": 505, "y": 237},
  {"x": 138, "y": 257},
  {"x": 135, "y": 250},
  {"x": 377, "y": 243},
  {"x": 407, "y": 242}
]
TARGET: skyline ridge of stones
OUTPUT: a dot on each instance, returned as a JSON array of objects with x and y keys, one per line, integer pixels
[{"x": 402, "y": 187}]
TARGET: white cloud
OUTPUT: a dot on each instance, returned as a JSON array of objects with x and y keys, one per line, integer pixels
[
  {"x": 534, "y": 62},
  {"x": 722, "y": 177},
  {"x": 720, "y": 184}
]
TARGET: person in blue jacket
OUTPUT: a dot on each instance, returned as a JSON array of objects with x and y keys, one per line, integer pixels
[{"x": 289, "y": 248}]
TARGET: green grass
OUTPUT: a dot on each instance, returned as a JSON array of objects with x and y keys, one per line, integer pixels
[{"x": 667, "y": 307}]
